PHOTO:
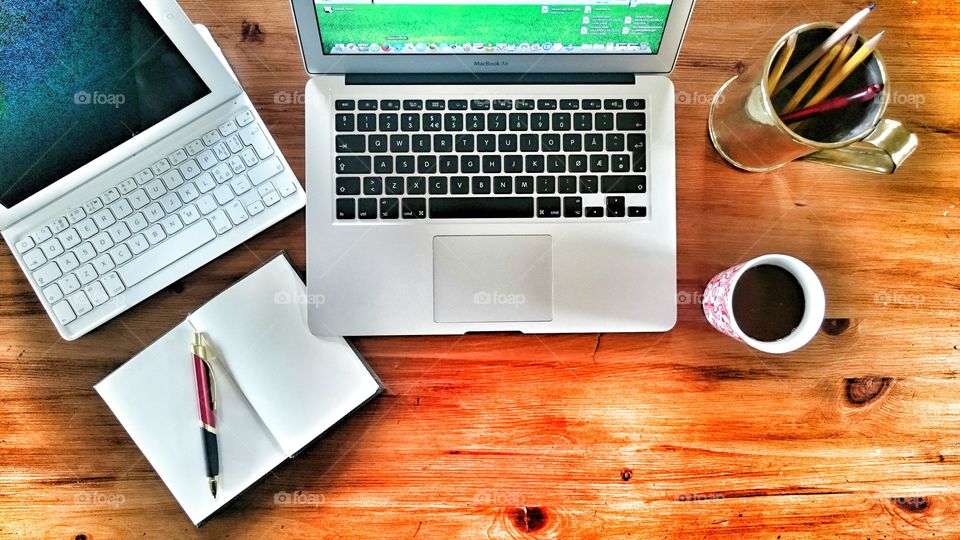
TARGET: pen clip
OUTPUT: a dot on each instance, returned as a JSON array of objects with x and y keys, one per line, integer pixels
[{"x": 201, "y": 349}]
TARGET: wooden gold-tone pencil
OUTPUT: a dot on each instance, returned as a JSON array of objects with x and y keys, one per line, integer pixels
[
  {"x": 782, "y": 60},
  {"x": 848, "y": 47},
  {"x": 858, "y": 57},
  {"x": 812, "y": 79}
]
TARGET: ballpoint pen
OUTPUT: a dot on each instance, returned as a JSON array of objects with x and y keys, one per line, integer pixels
[{"x": 206, "y": 398}]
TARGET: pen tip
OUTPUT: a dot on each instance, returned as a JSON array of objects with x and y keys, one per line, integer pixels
[
  {"x": 871, "y": 6},
  {"x": 213, "y": 486}
]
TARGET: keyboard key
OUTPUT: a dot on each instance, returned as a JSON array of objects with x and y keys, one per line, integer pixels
[
  {"x": 172, "y": 224},
  {"x": 167, "y": 253},
  {"x": 25, "y": 245},
  {"x": 68, "y": 263},
  {"x": 412, "y": 104},
  {"x": 119, "y": 232},
  {"x": 503, "y": 185},
  {"x": 46, "y": 274},
  {"x": 631, "y": 121},
  {"x": 72, "y": 237},
  {"x": 389, "y": 122},
  {"x": 459, "y": 185},
  {"x": 346, "y": 209},
  {"x": 252, "y": 136},
  {"x": 228, "y": 128},
  {"x": 241, "y": 185},
  {"x": 373, "y": 185},
  {"x": 64, "y": 313},
  {"x": 366, "y": 122},
  {"x": 615, "y": 206},
  {"x": 415, "y": 208},
  {"x": 569, "y": 104},
  {"x": 613, "y": 104},
  {"x": 435, "y": 105},
  {"x": 256, "y": 207},
  {"x": 351, "y": 144},
  {"x": 480, "y": 104},
  {"x": 524, "y": 104},
  {"x": 588, "y": 184},
  {"x": 457, "y": 104},
  {"x": 548, "y": 207},
  {"x": 53, "y": 293},
  {"x": 137, "y": 222},
  {"x": 96, "y": 293},
  {"x": 86, "y": 251},
  {"x": 367, "y": 209},
  {"x": 42, "y": 235},
  {"x": 52, "y": 248},
  {"x": 121, "y": 254},
  {"x": 603, "y": 121},
  {"x": 438, "y": 185},
  {"x": 249, "y": 158},
  {"x": 177, "y": 157},
  {"x": 236, "y": 211},
  {"x": 546, "y": 104},
  {"x": 353, "y": 164},
  {"x": 34, "y": 259},
  {"x": 220, "y": 221},
  {"x": 59, "y": 225},
  {"x": 69, "y": 284},
  {"x": 138, "y": 244},
  {"x": 623, "y": 184},
  {"x": 567, "y": 184},
  {"x": 189, "y": 192},
  {"x": 155, "y": 234},
  {"x": 190, "y": 214},
  {"x": 86, "y": 274},
  {"x": 113, "y": 284},
  {"x": 577, "y": 163},
  {"x": 636, "y": 104},
  {"x": 344, "y": 122},
  {"x": 480, "y": 185},
  {"x": 348, "y": 185},
  {"x": 268, "y": 169},
  {"x": 170, "y": 202},
  {"x": 76, "y": 215},
  {"x": 502, "y": 104},
  {"x": 271, "y": 199},
  {"x": 146, "y": 175},
  {"x": 389, "y": 208},
  {"x": 245, "y": 118},
  {"x": 481, "y": 207},
  {"x": 345, "y": 105},
  {"x": 572, "y": 207},
  {"x": 103, "y": 264},
  {"x": 594, "y": 211},
  {"x": 121, "y": 209},
  {"x": 223, "y": 194},
  {"x": 206, "y": 204},
  {"x": 193, "y": 148},
  {"x": 637, "y": 211},
  {"x": 367, "y": 105},
  {"x": 524, "y": 184}
]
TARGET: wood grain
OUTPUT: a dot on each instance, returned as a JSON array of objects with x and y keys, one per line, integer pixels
[{"x": 676, "y": 435}]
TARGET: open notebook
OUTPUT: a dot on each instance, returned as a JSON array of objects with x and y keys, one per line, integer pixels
[{"x": 278, "y": 388}]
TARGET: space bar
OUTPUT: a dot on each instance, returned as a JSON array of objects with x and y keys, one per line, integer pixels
[
  {"x": 167, "y": 253},
  {"x": 481, "y": 207}
]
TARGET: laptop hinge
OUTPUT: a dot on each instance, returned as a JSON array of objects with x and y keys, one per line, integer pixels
[{"x": 364, "y": 79}]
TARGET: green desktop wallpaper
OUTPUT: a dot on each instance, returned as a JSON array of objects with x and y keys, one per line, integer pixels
[{"x": 473, "y": 23}]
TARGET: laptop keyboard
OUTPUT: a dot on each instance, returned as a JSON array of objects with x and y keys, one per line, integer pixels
[
  {"x": 502, "y": 158},
  {"x": 211, "y": 185}
]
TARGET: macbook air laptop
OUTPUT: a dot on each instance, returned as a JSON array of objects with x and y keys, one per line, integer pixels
[
  {"x": 490, "y": 166},
  {"x": 131, "y": 156}
]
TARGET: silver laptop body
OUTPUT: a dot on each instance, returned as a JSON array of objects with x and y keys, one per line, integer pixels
[{"x": 490, "y": 186}]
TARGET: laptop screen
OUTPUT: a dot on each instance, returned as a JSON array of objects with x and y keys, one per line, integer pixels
[
  {"x": 78, "y": 79},
  {"x": 491, "y": 26}
]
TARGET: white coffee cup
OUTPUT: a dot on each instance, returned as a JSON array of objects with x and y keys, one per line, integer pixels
[{"x": 718, "y": 303}]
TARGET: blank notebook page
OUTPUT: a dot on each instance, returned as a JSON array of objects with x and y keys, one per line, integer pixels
[
  {"x": 299, "y": 384},
  {"x": 154, "y": 396}
]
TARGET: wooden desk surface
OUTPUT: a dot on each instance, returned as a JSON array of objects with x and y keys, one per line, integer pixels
[{"x": 682, "y": 434}]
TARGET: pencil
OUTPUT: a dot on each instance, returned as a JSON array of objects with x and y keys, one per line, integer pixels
[
  {"x": 858, "y": 57},
  {"x": 837, "y": 36},
  {"x": 785, "y": 53},
  {"x": 848, "y": 47},
  {"x": 812, "y": 79},
  {"x": 833, "y": 104}
]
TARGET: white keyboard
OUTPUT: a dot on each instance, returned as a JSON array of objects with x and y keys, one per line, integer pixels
[{"x": 228, "y": 178}]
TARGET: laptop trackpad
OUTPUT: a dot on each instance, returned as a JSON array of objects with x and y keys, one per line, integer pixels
[{"x": 492, "y": 279}]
